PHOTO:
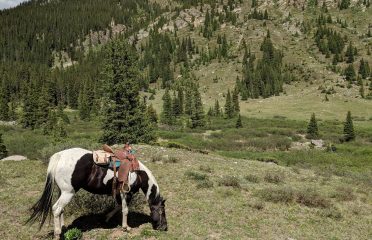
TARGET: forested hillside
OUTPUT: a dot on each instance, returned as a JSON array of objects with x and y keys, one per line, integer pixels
[
  {"x": 209, "y": 85},
  {"x": 196, "y": 59}
]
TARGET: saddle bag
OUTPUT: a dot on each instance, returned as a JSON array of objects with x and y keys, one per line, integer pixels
[{"x": 101, "y": 157}]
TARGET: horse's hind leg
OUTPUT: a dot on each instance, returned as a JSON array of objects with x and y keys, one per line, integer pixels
[{"x": 62, "y": 201}]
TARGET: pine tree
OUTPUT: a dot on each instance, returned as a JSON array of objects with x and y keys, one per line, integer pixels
[
  {"x": 349, "y": 54},
  {"x": 361, "y": 87},
  {"x": 312, "y": 128},
  {"x": 43, "y": 105},
  {"x": 4, "y": 107},
  {"x": 229, "y": 108},
  {"x": 235, "y": 99},
  {"x": 349, "y": 134},
  {"x": 217, "y": 108},
  {"x": 181, "y": 100},
  {"x": 61, "y": 114},
  {"x": 344, "y": 4},
  {"x": 176, "y": 105},
  {"x": 29, "y": 109},
  {"x": 167, "y": 116},
  {"x": 239, "y": 123},
  {"x": 197, "y": 116},
  {"x": 59, "y": 131},
  {"x": 151, "y": 112},
  {"x": 3, "y": 150},
  {"x": 188, "y": 102},
  {"x": 364, "y": 69},
  {"x": 50, "y": 125},
  {"x": 124, "y": 118},
  {"x": 83, "y": 105},
  {"x": 350, "y": 73}
]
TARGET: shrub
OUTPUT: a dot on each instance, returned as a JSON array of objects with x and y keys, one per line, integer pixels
[
  {"x": 332, "y": 212},
  {"x": 196, "y": 175},
  {"x": 86, "y": 203},
  {"x": 259, "y": 205},
  {"x": 344, "y": 194},
  {"x": 252, "y": 178},
  {"x": 311, "y": 198},
  {"x": 172, "y": 159},
  {"x": 268, "y": 160},
  {"x": 3, "y": 150},
  {"x": 73, "y": 234},
  {"x": 274, "y": 177},
  {"x": 205, "y": 168},
  {"x": 284, "y": 194},
  {"x": 205, "y": 184},
  {"x": 156, "y": 158},
  {"x": 229, "y": 181}
]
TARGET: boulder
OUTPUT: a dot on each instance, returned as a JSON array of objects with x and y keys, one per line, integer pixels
[
  {"x": 317, "y": 143},
  {"x": 14, "y": 158}
]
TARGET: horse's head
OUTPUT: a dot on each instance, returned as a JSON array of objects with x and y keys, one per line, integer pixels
[{"x": 159, "y": 219}]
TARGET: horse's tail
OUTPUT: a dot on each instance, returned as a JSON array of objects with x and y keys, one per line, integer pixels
[{"x": 43, "y": 207}]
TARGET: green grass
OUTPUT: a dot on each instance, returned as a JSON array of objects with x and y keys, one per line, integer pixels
[{"x": 304, "y": 206}]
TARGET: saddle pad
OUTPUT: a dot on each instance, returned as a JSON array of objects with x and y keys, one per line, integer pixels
[{"x": 101, "y": 157}]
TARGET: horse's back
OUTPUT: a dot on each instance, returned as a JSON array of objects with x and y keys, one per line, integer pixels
[{"x": 62, "y": 165}]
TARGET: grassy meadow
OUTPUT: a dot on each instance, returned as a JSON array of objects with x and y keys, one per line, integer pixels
[
  {"x": 208, "y": 197},
  {"x": 220, "y": 182}
]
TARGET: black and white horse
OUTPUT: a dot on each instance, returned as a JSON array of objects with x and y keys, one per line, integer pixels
[{"x": 73, "y": 169}]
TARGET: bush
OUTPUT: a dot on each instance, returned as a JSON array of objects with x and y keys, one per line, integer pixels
[
  {"x": 73, "y": 234},
  {"x": 229, "y": 181},
  {"x": 311, "y": 198},
  {"x": 3, "y": 150},
  {"x": 344, "y": 194},
  {"x": 156, "y": 158},
  {"x": 268, "y": 160},
  {"x": 284, "y": 194},
  {"x": 207, "y": 169},
  {"x": 274, "y": 177},
  {"x": 86, "y": 203},
  {"x": 205, "y": 184},
  {"x": 172, "y": 159},
  {"x": 196, "y": 175},
  {"x": 332, "y": 212},
  {"x": 252, "y": 178},
  {"x": 257, "y": 205}
]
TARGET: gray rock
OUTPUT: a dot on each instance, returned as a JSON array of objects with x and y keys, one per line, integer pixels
[
  {"x": 14, "y": 158},
  {"x": 317, "y": 143}
]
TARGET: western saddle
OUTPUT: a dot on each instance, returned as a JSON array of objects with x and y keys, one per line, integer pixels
[{"x": 122, "y": 162}]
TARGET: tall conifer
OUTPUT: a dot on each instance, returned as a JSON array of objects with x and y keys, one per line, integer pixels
[
  {"x": 229, "y": 108},
  {"x": 312, "y": 128},
  {"x": 349, "y": 134},
  {"x": 124, "y": 118}
]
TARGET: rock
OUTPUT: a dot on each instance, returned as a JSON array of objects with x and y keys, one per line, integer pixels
[
  {"x": 14, "y": 158},
  {"x": 317, "y": 143},
  {"x": 8, "y": 123},
  {"x": 165, "y": 158}
]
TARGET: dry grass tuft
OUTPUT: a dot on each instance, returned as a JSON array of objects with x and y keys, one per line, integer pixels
[
  {"x": 252, "y": 178},
  {"x": 274, "y": 177},
  {"x": 229, "y": 181}
]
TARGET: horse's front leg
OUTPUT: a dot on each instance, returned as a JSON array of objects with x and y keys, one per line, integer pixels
[{"x": 124, "y": 209}]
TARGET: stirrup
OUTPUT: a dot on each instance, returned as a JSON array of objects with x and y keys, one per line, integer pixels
[{"x": 125, "y": 188}]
